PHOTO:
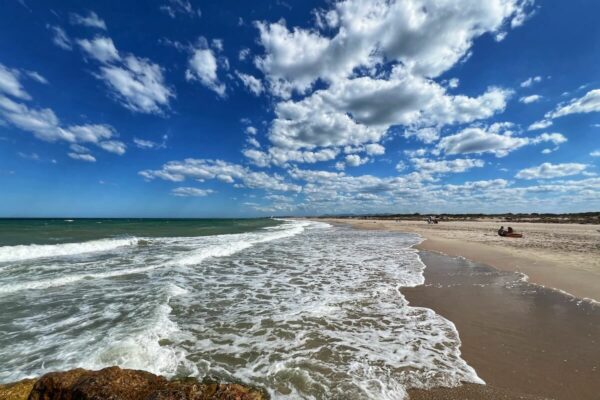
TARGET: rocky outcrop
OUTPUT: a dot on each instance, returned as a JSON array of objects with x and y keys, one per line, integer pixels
[
  {"x": 16, "y": 391},
  {"x": 115, "y": 383}
]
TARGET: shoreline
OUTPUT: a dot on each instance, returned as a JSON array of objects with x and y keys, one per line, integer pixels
[
  {"x": 563, "y": 257},
  {"x": 525, "y": 340}
]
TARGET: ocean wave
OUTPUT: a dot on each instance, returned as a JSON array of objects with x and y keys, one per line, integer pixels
[
  {"x": 70, "y": 279},
  {"x": 226, "y": 245},
  {"x": 32, "y": 251}
]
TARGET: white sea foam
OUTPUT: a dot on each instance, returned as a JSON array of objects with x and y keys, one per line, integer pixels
[
  {"x": 227, "y": 245},
  {"x": 306, "y": 310},
  {"x": 70, "y": 279},
  {"x": 32, "y": 251}
]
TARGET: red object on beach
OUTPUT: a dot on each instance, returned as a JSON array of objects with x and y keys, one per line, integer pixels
[{"x": 514, "y": 235}]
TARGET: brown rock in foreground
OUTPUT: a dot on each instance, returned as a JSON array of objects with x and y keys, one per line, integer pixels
[
  {"x": 16, "y": 391},
  {"x": 115, "y": 383}
]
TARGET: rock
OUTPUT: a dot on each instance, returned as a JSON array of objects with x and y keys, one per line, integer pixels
[
  {"x": 115, "y": 383},
  {"x": 16, "y": 391}
]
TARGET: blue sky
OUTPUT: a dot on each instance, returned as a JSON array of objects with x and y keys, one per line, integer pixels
[{"x": 186, "y": 108}]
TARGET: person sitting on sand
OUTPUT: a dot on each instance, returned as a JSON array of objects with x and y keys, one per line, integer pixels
[
  {"x": 502, "y": 232},
  {"x": 510, "y": 230}
]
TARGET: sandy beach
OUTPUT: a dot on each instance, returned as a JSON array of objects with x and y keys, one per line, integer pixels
[
  {"x": 527, "y": 341},
  {"x": 559, "y": 256}
]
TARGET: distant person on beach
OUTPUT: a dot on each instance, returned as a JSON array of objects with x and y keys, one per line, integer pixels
[
  {"x": 510, "y": 230},
  {"x": 502, "y": 232}
]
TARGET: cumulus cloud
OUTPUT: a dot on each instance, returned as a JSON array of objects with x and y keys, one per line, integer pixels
[
  {"x": 202, "y": 169},
  {"x": 595, "y": 153},
  {"x": 361, "y": 110},
  {"x": 446, "y": 166},
  {"x": 375, "y": 149},
  {"x": 497, "y": 139},
  {"x": 550, "y": 171},
  {"x": 90, "y": 20},
  {"x": 427, "y": 36},
  {"x": 354, "y": 160},
  {"x": 202, "y": 67},
  {"x": 60, "y": 37},
  {"x": 191, "y": 192}
]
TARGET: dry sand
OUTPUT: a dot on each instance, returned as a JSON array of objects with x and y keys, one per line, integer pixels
[{"x": 560, "y": 256}]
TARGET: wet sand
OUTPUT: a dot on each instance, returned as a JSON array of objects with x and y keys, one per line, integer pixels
[
  {"x": 561, "y": 256},
  {"x": 525, "y": 341}
]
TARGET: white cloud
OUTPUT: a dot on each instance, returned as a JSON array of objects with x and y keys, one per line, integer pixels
[
  {"x": 148, "y": 144},
  {"x": 244, "y": 54},
  {"x": 595, "y": 153},
  {"x": 446, "y": 166},
  {"x": 137, "y": 83},
  {"x": 361, "y": 110},
  {"x": 91, "y": 20},
  {"x": 217, "y": 44},
  {"x": 426, "y": 135},
  {"x": 10, "y": 84},
  {"x": 555, "y": 138},
  {"x": 250, "y": 130},
  {"x": 376, "y": 60},
  {"x": 550, "y": 171},
  {"x": 82, "y": 157},
  {"x": 191, "y": 192},
  {"x": 77, "y": 148},
  {"x": 253, "y": 84},
  {"x": 60, "y": 37},
  {"x": 400, "y": 166},
  {"x": 479, "y": 140},
  {"x": 586, "y": 104},
  {"x": 202, "y": 67},
  {"x": 202, "y": 169},
  {"x": 530, "y": 99},
  {"x": 354, "y": 160},
  {"x": 542, "y": 124},
  {"x": 375, "y": 149},
  {"x": 497, "y": 139},
  {"x": 113, "y": 146},
  {"x": 427, "y": 36},
  {"x": 37, "y": 77},
  {"x": 453, "y": 83},
  {"x": 44, "y": 124},
  {"x": 100, "y": 48},
  {"x": 530, "y": 81}
]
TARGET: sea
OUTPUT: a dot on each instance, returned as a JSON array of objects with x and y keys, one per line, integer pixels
[{"x": 304, "y": 309}]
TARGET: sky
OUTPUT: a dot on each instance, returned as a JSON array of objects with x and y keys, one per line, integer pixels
[{"x": 188, "y": 108}]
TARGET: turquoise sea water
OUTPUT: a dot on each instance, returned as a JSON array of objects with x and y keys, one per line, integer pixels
[{"x": 58, "y": 230}]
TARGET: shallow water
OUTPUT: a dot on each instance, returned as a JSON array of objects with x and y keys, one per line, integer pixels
[{"x": 305, "y": 309}]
